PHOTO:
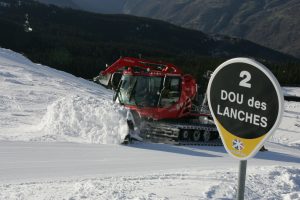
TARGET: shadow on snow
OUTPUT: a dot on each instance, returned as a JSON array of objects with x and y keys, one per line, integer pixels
[{"x": 184, "y": 150}]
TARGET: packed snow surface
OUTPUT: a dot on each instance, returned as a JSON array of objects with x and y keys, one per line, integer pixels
[
  {"x": 53, "y": 127},
  {"x": 288, "y": 132},
  {"x": 263, "y": 183}
]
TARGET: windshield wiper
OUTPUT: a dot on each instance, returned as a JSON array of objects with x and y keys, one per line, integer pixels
[
  {"x": 132, "y": 91},
  {"x": 117, "y": 91},
  {"x": 163, "y": 88}
]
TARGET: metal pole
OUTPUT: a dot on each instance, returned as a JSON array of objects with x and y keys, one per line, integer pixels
[{"x": 242, "y": 180}]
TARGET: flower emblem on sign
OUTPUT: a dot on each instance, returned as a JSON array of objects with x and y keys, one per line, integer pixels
[{"x": 238, "y": 144}]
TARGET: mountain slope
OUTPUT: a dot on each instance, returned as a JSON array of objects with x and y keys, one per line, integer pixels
[
  {"x": 61, "y": 3},
  {"x": 273, "y": 24},
  {"x": 101, "y": 6},
  {"x": 97, "y": 6},
  {"x": 82, "y": 43}
]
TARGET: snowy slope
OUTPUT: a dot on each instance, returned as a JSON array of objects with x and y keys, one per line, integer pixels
[
  {"x": 42, "y": 110},
  {"x": 288, "y": 132},
  {"x": 42, "y": 104}
]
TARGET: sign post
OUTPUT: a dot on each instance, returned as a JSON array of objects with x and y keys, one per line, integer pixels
[
  {"x": 246, "y": 103},
  {"x": 242, "y": 180}
]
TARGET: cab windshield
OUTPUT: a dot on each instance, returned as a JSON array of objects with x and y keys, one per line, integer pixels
[
  {"x": 140, "y": 90},
  {"x": 149, "y": 91}
]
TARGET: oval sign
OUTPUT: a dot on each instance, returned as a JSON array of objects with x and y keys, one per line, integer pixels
[{"x": 246, "y": 103}]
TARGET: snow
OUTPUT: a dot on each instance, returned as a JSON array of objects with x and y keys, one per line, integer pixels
[
  {"x": 42, "y": 104},
  {"x": 59, "y": 138},
  {"x": 263, "y": 183},
  {"x": 39, "y": 170},
  {"x": 288, "y": 132},
  {"x": 291, "y": 91},
  {"x": 81, "y": 119}
]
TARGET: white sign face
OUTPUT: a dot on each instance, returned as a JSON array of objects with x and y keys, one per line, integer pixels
[{"x": 246, "y": 103}]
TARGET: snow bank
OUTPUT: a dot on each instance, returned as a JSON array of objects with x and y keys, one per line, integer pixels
[
  {"x": 38, "y": 103},
  {"x": 84, "y": 119},
  {"x": 288, "y": 132},
  {"x": 262, "y": 183},
  {"x": 291, "y": 91}
]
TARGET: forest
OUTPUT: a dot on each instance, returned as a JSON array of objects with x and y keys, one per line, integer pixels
[{"x": 82, "y": 43}]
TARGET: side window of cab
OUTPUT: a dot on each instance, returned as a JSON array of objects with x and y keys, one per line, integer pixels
[{"x": 171, "y": 91}]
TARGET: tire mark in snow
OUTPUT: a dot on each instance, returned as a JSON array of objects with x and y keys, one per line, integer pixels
[{"x": 262, "y": 183}]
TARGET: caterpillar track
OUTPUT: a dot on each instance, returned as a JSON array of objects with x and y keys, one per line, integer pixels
[{"x": 180, "y": 133}]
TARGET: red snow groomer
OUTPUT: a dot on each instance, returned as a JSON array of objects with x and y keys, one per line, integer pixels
[{"x": 163, "y": 103}]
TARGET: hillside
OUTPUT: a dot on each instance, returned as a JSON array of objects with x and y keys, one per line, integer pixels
[
  {"x": 97, "y": 6},
  {"x": 274, "y": 24},
  {"x": 101, "y": 6},
  {"x": 82, "y": 43},
  {"x": 39, "y": 103},
  {"x": 61, "y": 3}
]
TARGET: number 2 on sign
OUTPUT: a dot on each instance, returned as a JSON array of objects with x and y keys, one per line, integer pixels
[{"x": 246, "y": 76}]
